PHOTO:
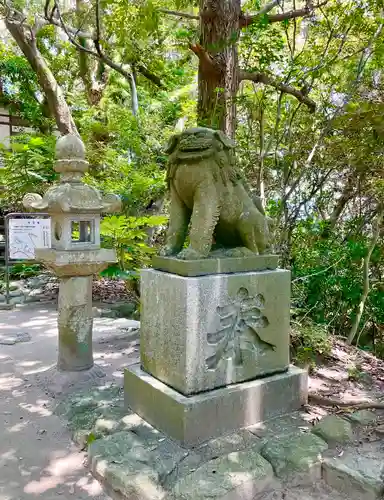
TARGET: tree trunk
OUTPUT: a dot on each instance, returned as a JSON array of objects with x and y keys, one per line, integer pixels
[
  {"x": 58, "y": 106},
  {"x": 346, "y": 195},
  {"x": 84, "y": 59},
  {"x": 366, "y": 282},
  {"x": 134, "y": 95},
  {"x": 218, "y": 66},
  {"x": 260, "y": 174}
]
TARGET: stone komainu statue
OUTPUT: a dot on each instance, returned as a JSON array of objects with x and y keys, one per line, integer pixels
[{"x": 208, "y": 194}]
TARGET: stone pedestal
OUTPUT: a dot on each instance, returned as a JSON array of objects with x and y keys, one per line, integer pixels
[
  {"x": 206, "y": 332},
  {"x": 214, "y": 349}
]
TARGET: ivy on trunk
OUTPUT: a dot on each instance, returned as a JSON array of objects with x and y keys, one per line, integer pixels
[
  {"x": 221, "y": 22},
  {"x": 218, "y": 67}
]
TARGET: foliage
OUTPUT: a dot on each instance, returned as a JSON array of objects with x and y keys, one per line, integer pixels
[
  {"x": 124, "y": 156},
  {"x": 327, "y": 279},
  {"x": 20, "y": 89},
  {"x": 23, "y": 271},
  {"x": 28, "y": 167},
  {"x": 128, "y": 236},
  {"x": 310, "y": 342},
  {"x": 19, "y": 271}
]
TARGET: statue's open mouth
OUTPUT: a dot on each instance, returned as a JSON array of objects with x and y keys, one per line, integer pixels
[{"x": 190, "y": 144}]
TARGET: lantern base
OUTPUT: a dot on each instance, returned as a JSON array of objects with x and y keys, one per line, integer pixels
[
  {"x": 66, "y": 263},
  {"x": 55, "y": 382}
]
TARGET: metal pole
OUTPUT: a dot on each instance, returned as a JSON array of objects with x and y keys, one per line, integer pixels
[{"x": 6, "y": 219}]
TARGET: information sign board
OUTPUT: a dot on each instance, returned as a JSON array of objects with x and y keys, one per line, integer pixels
[{"x": 24, "y": 235}]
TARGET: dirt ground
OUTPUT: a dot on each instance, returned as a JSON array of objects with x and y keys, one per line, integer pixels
[
  {"x": 37, "y": 458},
  {"x": 350, "y": 376}
]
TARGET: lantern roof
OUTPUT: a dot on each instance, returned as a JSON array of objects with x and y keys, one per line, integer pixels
[{"x": 70, "y": 195}]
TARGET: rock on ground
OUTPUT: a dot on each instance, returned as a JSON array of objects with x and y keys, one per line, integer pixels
[
  {"x": 14, "y": 338},
  {"x": 363, "y": 417},
  {"x": 240, "y": 474},
  {"x": 334, "y": 429},
  {"x": 276, "y": 460},
  {"x": 296, "y": 457}
]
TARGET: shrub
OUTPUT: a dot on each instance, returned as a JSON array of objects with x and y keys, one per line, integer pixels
[{"x": 309, "y": 342}]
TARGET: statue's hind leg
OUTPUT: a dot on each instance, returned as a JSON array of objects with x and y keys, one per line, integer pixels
[{"x": 253, "y": 230}]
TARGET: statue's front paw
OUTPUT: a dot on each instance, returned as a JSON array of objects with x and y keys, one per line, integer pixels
[
  {"x": 190, "y": 254},
  {"x": 167, "y": 251}
]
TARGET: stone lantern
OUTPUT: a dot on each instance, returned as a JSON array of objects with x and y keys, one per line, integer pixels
[{"x": 75, "y": 254}]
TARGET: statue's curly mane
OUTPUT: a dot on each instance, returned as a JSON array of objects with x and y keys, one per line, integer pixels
[{"x": 222, "y": 163}]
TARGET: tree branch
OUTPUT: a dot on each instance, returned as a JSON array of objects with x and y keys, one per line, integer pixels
[
  {"x": 55, "y": 18},
  {"x": 291, "y": 14},
  {"x": 205, "y": 59},
  {"x": 246, "y": 20},
  {"x": 53, "y": 92},
  {"x": 97, "y": 16},
  {"x": 98, "y": 52},
  {"x": 178, "y": 14},
  {"x": 149, "y": 75},
  {"x": 287, "y": 89}
]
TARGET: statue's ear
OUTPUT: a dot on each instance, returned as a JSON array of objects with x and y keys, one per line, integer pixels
[
  {"x": 224, "y": 139},
  {"x": 172, "y": 143}
]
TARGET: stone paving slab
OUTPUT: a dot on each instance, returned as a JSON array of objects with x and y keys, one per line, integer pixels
[
  {"x": 134, "y": 466},
  {"x": 292, "y": 423},
  {"x": 277, "y": 460},
  {"x": 239, "y": 474},
  {"x": 317, "y": 491},
  {"x": 360, "y": 475},
  {"x": 97, "y": 412},
  {"x": 237, "y": 441}
]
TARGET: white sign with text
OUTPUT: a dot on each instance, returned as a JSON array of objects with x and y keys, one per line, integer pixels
[{"x": 24, "y": 235}]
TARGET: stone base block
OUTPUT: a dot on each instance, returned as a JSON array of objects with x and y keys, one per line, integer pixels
[
  {"x": 195, "y": 419},
  {"x": 214, "y": 265}
]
